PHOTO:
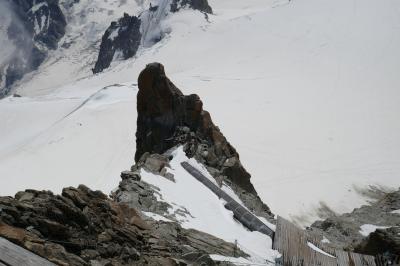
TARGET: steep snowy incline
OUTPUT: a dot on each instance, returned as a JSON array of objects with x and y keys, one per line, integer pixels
[
  {"x": 207, "y": 211},
  {"x": 313, "y": 85},
  {"x": 67, "y": 139}
]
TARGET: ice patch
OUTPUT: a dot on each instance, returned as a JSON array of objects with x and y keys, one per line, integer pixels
[
  {"x": 367, "y": 229},
  {"x": 395, "y": 211},
  {"x": 325, "y": 240},
  {"x": 237, "y": 261},
  {"x": 113, "y": 34},
  {"x": 37, "y": 7},
  {"x": 156, "y": 216},
  {"x": 315, "y": 248}
]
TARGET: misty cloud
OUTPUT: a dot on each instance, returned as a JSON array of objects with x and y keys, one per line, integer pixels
[{"x": 7, "y": 46}]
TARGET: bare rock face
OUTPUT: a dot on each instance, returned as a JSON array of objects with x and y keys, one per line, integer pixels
[
  {"x": 382, "y": 241},
  {"x": 343, "y": 231},
  {"x": 122, "y": 36},
  {"x": 201, "y": 5},
  {"x": 85, "y": 227},
  {"x": 74, "y": 228},
  {"x": 167, "y": 118}
]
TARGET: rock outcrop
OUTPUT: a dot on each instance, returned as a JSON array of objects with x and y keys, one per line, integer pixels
[
  {"x": 122, "y": 38},
  {"x": 167, "y": 118},
  {"x": 382, "y": 241},
  {"x": 34, "y": 28},
  {"x": 85, "y": 227},
  {"x": 344, "y": 231},
  {"x": 201, "y": 5}
]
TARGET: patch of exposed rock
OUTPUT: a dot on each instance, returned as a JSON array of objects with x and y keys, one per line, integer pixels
[
  {"x": 343, "y": 231},
  {"x": 167, "y": 118},
  {"x": 85, "y": 227},
  {"x": 201, "y": 5},
  {"x": 122, "y": 37}
]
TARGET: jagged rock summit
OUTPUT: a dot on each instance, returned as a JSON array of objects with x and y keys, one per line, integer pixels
[
  {"x": 84, "y": 227},
  {"x": 168, "y": 118},
  {"x": 123, "y": 35}
]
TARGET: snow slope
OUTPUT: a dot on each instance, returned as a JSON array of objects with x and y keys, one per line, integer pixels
[
  {"x": 207, "y": 211},
  {"x": 66, "y": 139},
  {"x": 307, "y": 91}
]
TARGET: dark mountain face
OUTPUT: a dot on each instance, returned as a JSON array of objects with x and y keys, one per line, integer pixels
[
  {"x": 35, "y": 27},
  {"x": 123, "y": 36},
  {"x": 167, "y": 118},
  {"x": 201, "y": 5},
  {"x": 129, "y": 32}
]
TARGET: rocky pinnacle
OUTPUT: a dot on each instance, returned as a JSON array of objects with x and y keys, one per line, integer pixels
[{"x": 167, "y": 118}]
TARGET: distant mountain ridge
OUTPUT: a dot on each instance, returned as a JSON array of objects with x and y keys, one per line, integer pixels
[{"x": 35, "y": 27}]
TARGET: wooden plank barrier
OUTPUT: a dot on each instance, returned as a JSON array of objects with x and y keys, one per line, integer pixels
[
  {"x": 243, "y": 215},
  {"x": 13, "y": 255},
  {"x": 295, "y": 246}
]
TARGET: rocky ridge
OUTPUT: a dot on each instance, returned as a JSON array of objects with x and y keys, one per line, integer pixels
[
  {"x": 201, "y": 5},
  {"x": 85, "y": 227},
  {"x": 167, "y": 118},
  {"x": 123, "y": 38},
  {"x": 344, "y": 231}
]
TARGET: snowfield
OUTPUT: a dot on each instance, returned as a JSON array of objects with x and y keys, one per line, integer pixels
[
  {"x": 307, "y": 91},
  {"x": 367, "y": 229},
  {"x": 207, "y": 211}
]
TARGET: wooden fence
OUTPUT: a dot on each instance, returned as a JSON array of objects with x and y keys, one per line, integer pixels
[
  {"x": 298, "y": 248},
  {"x": 13, "y": 255}
]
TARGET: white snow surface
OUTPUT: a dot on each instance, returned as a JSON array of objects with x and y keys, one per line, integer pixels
[
  {"x": 395, "y": 212},
  {"x": 317, "y": 249},
  {"x": 36, "y": 7},
  {"x": 307, "y": 91},
  {"x": 156, "y": 216},
  {"x": 325, "y": 240},
  {"x": 236, "y": 261},
  {"x": 367, "y": 229},
  {"x": 207, "y": 211},
  {"x": 65, "y": 139}
]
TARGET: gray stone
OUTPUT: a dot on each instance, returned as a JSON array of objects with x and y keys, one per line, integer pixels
[
  {"x": 25, "y": 196},
  {"x": 343, "y": 230},
  {"x": 131, "y": 175},
  {"x": 155, "y": 163}
]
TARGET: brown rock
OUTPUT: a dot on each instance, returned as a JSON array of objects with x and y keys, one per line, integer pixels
[
  {"x": 14, "y": 234},
  {"x": 163, "y": 111},
  {"x": 167, "y": 118}
]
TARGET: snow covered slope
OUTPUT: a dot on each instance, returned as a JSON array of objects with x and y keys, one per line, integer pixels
[
  {"x": 207, "y": 211},
  {"x": 306, "y": 90}
]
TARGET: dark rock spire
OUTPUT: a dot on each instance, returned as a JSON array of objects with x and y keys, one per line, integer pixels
[{"x": 167, "y": 118}]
